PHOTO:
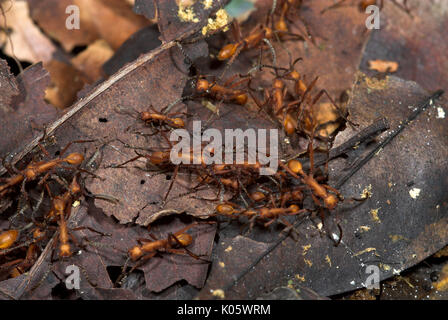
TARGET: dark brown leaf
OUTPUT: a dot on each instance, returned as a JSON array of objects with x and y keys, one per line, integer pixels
[{"x": 27, "y": 114}]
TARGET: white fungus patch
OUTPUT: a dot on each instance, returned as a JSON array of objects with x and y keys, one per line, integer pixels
[
  {"x": 440, "y": 113},
  {"x": 414, "y": 193}
]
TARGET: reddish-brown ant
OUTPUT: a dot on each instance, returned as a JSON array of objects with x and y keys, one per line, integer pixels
[
  {"x": 254, "y": 39},
  {"x": 61, "y": 210},
  {"x": 174, "y": 243},
  {"x": 157, "y": 118},
  {"x": 162, "y": 160},
  {"x": 281, "y": 27},
  {"x": 260, "y": 33},
  {"x": 222, "y": 93},
  {"x": 34, "y": 169},
  {"x": 264, "y": 213},
  {"x": 319, "y": 191},
  {"x": 8, "y": 238},
  {"x": 20, "y": 266},
  {"x": 276, "y": 96}
]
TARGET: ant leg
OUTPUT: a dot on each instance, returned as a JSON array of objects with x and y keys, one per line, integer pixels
[
  {"x": 230, "y": 80},
  {"x": 166, "y": 138},
  {"x": 140, "y": 263},
  {"x": 70, "y": 143},
  {"x": 173, "y": 177},
  {"x": 42, "y": 148},
  {"x": 141, "y": 240},
  {"x": 267, "y": 224},
  {"x": 316, "y": 201},
  {"x": 128, "y": 161},
  {"x": 311, "y": 153},
  {"x": 340, "y": 196},
  {"x": 12, "y": 170},
  {"x": 11, "y": 263},
  {"x": 21, "y": 208},
  {"x": 230, "y": 62},
  {"x": 191, "y": 254},
  {"x": 183, "y": 250},
  {"x": 191, "y": 226},
  {"x": 93, "y": 230},
  {"x": 84, "y": 171},
  {"x": 323, "y": 91},
  {"x": 235, "y": 84}
]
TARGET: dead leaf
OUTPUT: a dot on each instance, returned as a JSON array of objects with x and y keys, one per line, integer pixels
[
  {"x": 416, "y": 43},
  {"x": 26, "y": 114},
  {"x": 111, "y": 20},
  {"x": 29, "y": 44},
  {"x": 383, "y": 66},
  {"x": 139, "y": 43},
  {"x": 90, "y": 61},
  {"x": 66, "y": 81}
]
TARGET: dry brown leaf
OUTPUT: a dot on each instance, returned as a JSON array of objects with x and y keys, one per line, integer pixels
[
  {"x": 66, "y": 81},
  {"x": 23, "y": 111},
  {"x": 90, "y": 61},
  {"x": 383, "y": 66},
  {"x": 327, "y": 117},
  {"x": 29, "y": 43},
  {"x": 111, "y": 20}
]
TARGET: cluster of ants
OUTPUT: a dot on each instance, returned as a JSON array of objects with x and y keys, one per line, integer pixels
[{"x": 294, "y": 182}]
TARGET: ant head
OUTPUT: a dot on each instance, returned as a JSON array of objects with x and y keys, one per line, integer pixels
[
  {"x": 37, "y": 233},
  {"x": 145, "y": 115},
  {"x": 7, "y": 238},
  {"x": 297, "y": 195},
  {"x": 241, "y": 99},
  {"x": 31, "y": 172},
  {"x": 65, "y": 251},
  {"x": 268, "y": 33},
  {"x": 158, "y": 157},
  {"x": 289, "y": 124},
  {"x": 59, "y": 204},
  {"x": 74, "y": 158},
  {"x": 228, "y": 51},
  {"x": 184, "y": 239},
  {"x": 178, "y": 122},
  {"x": 202, "y": 85},
  {"x": 295, "y": 166},
  {"x": 278, "y": 84},
  {"x": 280, "y": 26},
  {"x": 291, "y": 73},
  {"x": 135, "y": 253},
  {"x": 294, "y": 208},
  {"x": 225, "y": 209},
  {"x": 331, "y": 201},
  {"x": 257, "y": 196}
]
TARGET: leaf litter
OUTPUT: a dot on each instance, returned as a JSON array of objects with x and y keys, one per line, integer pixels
[{"x": 160, "y": 77}]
